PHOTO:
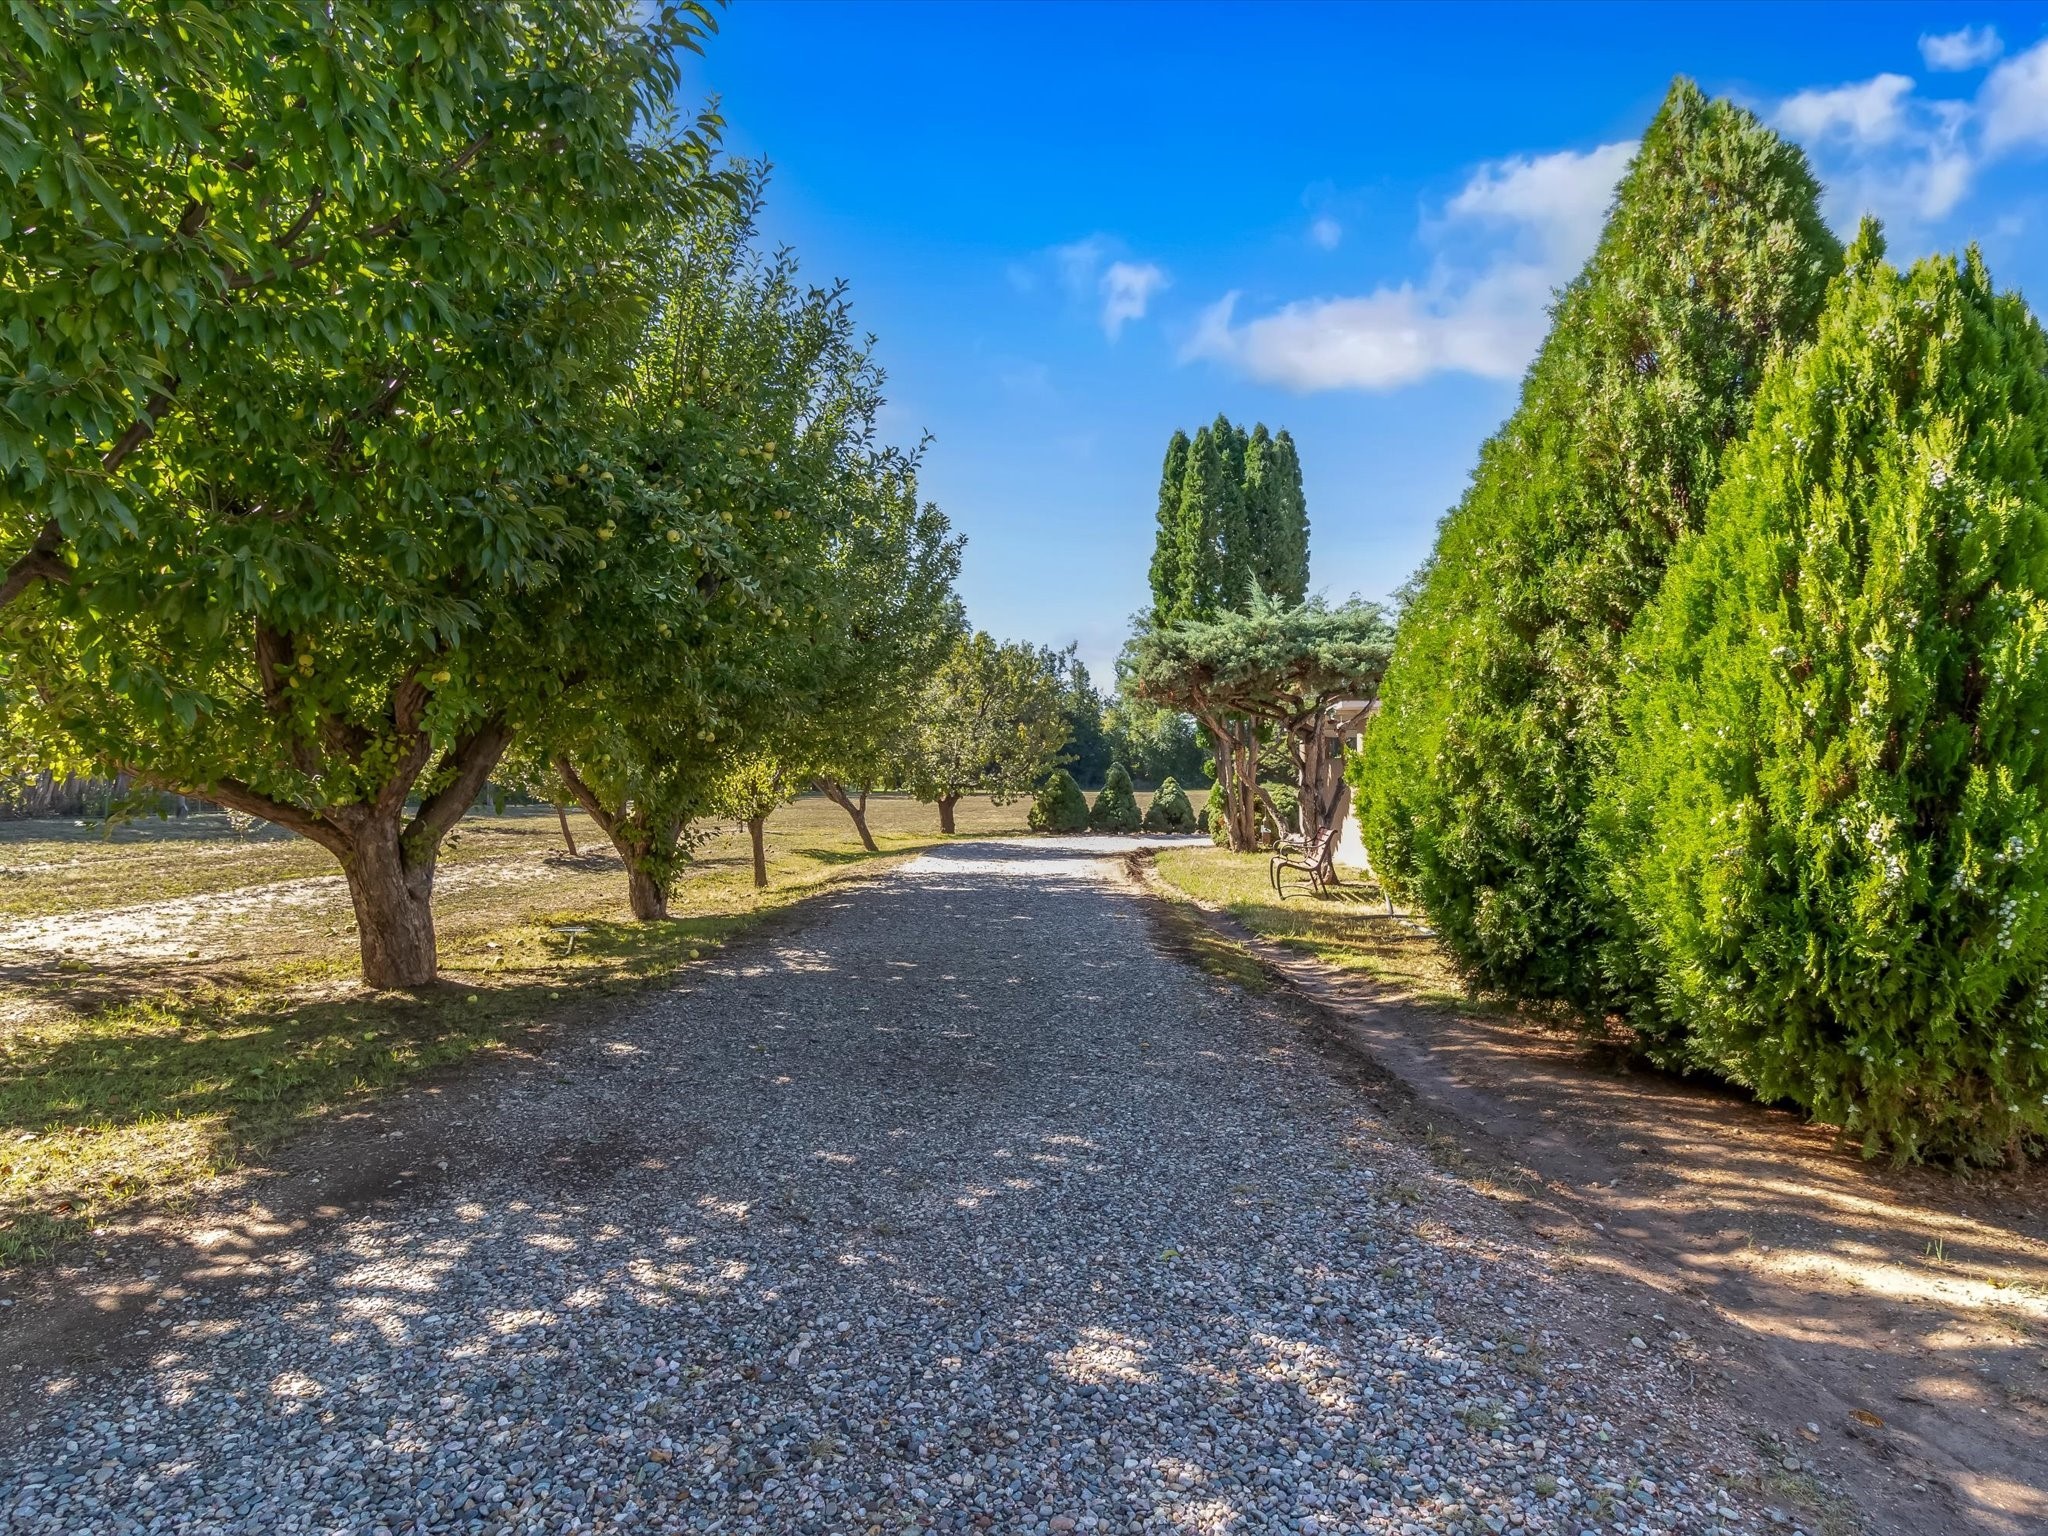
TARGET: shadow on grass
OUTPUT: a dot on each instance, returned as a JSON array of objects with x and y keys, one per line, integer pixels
[{"x": 120, "y": 1098}]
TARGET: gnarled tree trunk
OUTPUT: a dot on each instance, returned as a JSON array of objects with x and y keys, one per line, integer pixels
[
  {"x": 756, "y": 829},
  {"x": 387, "y": 860},
  {"x": 1236, "y": 744},
  {"x": 646, "y": 845},
  {"x": 645, "y": 894},
  {"x": 946, "y": 804},
  {"x": 836, "y": 792},
  {"x": 393, "y": 896}
]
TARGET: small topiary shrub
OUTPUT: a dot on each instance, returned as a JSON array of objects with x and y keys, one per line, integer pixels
[
  {"x": 1059, "y": 805},
  {"x": 1116, "y": 808},
  {"x": 1170, "y": 811}
]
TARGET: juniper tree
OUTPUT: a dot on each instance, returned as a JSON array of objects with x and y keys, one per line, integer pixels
[
  {"x": 1828, "y": 822},
  {"x": 1496, "y": 713},
  {"x": 1276, "y": 668}
]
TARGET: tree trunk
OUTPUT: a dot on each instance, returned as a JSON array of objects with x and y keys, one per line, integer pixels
[
  {"x": 1237, "y": 782},
  {"x": 393, "y": 898},
  {"x": 946, "y": 804},
  {"x": 562, "y": 814},
  {"x": 756, "y": 827},
  {"x": 834, "y": 791},
  {"x": 645, "y": 893}
]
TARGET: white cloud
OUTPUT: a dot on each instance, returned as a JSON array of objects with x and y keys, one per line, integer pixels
[
  {"x": 1095, "y": 269},
  {"x": 1325, "y": 232},
  {"x": 1870, "y": 112},
  {"x": 1515, "y": 231},
  {"x": 1563, "y": 197},
  {"x": 1880, "y": 147},
  {"x": 1127, "y": 288},
  {"x": 1965, "y": 48},
  {"x": 1079, "y": 263},
  {"x": 2014, "y": 102}
]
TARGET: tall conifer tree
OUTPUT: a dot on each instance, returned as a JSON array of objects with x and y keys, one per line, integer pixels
[
  {"x": 1496, "y": 713},
  {"x": 1168, "y": 579}
]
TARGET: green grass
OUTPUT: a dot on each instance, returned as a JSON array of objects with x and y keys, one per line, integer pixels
[
  {"x": 129, "y": 1075},
  {"x": 1349, "y": 928}
]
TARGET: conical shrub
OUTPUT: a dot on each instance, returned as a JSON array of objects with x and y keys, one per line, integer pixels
[
  {"x": 1828, "y": 821},
  {"x": 1169, "y": 810},
  {"x": 1494, "y": 721},
  {"x": 1059, "y": 805},
  {"x": 1116, "y": 808}
]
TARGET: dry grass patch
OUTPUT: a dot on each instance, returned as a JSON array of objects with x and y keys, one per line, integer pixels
[{"x": 1349, "y": 928}]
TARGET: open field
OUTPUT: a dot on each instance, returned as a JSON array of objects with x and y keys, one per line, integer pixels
[{"x": 174, "y": 1000}]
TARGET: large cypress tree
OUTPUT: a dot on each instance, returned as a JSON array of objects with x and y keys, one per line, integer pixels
[
  {"x": 1198, "y": 537},
  {"x": 1496, "y": 713},
  {"x": 1231, "y": 516},
  {"x": 1828, "y": 823},
  {"x": 1167, "y": 558}
]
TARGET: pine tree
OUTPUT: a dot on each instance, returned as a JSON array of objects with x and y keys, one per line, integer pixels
[
  {"x": 1496, "y": 715},
  {"x": 1116, "y": 807},
  {"x": 1828, "y": 823}
]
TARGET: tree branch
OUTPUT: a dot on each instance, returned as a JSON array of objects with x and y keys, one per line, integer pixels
[
  {"x": 585, "y": 796},
  {"x": 473, "y": 761},
  {"x": 141, "y": 429},
  {"x": 41, "y": 563},
  {"x": 238, "y": 796}
]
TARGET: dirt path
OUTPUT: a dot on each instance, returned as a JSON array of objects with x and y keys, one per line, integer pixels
[
  {"x": 1902, "y": 1313},
  {"x": 958, "y": 1203}
]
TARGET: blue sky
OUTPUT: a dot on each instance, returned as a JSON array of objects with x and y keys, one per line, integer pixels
[{"x": 1075, "y": 228}]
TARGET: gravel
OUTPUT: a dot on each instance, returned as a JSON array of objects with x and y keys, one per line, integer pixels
[{"x": 962, "y": 1208}]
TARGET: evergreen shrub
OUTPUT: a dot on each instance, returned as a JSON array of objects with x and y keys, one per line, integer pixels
[
  {"x": 1059, "y": 805},
  {"x": 1494, "y": 724},
  {"x": 1169, "y": 810},
  {"x": 1116, "y": 807},
  {"x": 1827, "y": 829}
]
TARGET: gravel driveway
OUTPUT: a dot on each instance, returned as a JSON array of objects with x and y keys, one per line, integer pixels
[{"x": 964, "y": 1207}]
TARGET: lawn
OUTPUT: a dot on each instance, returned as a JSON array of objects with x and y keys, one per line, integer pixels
[
  {"x": 1350, "y": 927},
  {"x": 174, "y": 1000}
]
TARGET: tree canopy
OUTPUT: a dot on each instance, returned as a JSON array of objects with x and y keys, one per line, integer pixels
[
  {"x": 989, "y": 722},
  {"x": 1275, "y": 666}
]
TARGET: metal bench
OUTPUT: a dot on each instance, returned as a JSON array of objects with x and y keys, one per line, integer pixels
[{"x": 1310, "y": 861}]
